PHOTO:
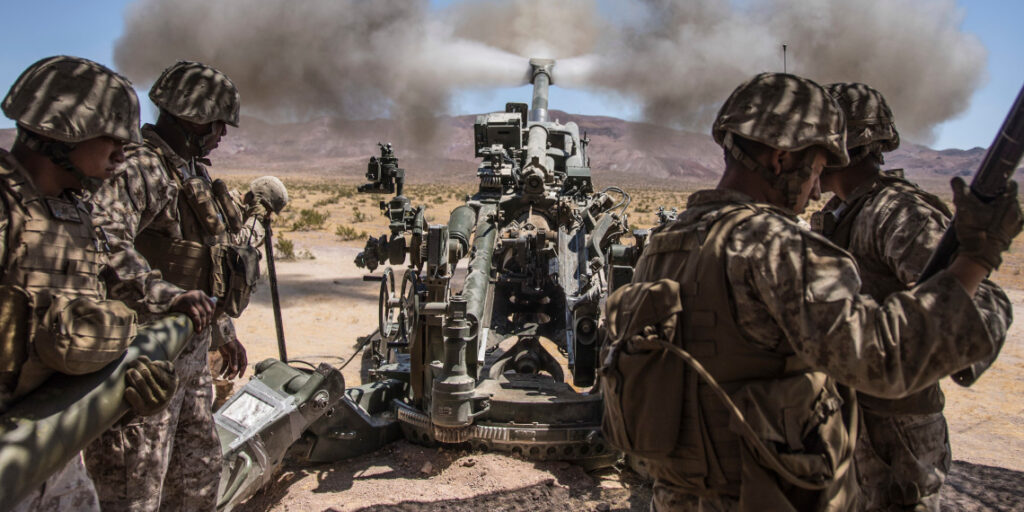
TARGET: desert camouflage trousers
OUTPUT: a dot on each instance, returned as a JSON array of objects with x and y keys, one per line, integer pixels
[
  {"x": 68, "y": 489},
  {"x": 168, "y": 461},
  {"x": 902, "y": 461}
]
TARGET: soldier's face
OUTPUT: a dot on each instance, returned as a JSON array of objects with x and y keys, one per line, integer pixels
[
  {"x": 212, "y": 138},
  {"x": 99, "y": 158},
  {"x": 811, "y": 189}
]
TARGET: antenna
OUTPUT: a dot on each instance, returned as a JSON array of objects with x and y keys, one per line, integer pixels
[{"x": 784, "y": 45}]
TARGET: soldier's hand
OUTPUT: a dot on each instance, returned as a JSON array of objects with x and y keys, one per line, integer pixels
[
  {"x": 985, "y": 230},
  {"x": 149, "y": 385},
  {"x": 199, "y": 308},
  {"x": 234, "y": 360},
  {"x": 257, "y": 209}
]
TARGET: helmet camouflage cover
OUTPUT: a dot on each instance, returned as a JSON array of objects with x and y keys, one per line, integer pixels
[
  {"x": 71, "y": 99},
  {"x": 784, "y": 112},
  {"x": 196, "y": 92},
  {"x": 868, "y": 117}
]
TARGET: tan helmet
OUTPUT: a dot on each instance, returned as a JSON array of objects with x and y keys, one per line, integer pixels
[
  {"x": 784, "y": 112},
  {"x": 196, "y": 92},
  {"x": 868, "y": 117},
  {"x": 71, "y": 99},
  {"x": 270, "y": 191}
]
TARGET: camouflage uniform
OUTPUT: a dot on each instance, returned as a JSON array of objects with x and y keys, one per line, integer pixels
[
  {"x": 48, "y": 245},
  {"x": 903, "y": 455},
  {"x": 796, "y": 294},
  {"x": 892, "y": 227},
  {"x": 170, "y": 460},
  {"x": 772, "y": 317}
]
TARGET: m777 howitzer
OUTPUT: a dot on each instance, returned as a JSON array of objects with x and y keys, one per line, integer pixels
[{"x": 505, "y": 358}]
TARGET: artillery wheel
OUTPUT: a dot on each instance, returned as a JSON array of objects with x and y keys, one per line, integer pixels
[
  {"x": 409, "y": 311},
  {"x": 388, "y": 307}
]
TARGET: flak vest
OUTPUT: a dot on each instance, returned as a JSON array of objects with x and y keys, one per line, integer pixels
[
  {"x": 51, "y": 246},
  {"x": 795, "y": 413},
  {"x": 51, "y": 242},
  {"x": 187, "y": 261},
  {"x": 879, "y": 281}
]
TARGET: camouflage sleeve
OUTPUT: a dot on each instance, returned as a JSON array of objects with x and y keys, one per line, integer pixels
[
  {"x": 224, "y": 333},
  {"x": 4, "y": 221},
  {"x": 905, "y": 232},
  {"x": 809, "y": 289},
  {"x": 996, "y": 311},
  {"x": 121, "y": 208}
]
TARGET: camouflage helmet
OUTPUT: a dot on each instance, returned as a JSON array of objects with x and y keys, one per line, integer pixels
[
  {"x": 868, "y": 117},
  {"x": 196, "y": 92},
  {"x": 270, "y": 191},
  {"x": 71, "y": 99},
  {"x": 784, "y": 112}
]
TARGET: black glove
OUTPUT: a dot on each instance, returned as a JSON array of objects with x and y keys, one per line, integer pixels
[
  {"x": 985, "y": 230},
  {"x": 149, "y": 385}
]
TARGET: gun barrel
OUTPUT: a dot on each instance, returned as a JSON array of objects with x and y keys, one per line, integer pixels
[
  {"x": 541, "y": 79},
  {"x": 49, "y": 426}
]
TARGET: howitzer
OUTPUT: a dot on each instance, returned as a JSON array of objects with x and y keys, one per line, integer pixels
[
  {"x": 1001, "y": 161},
  {"x": 50, "y": 425},
  {"x": 506, "y": 361}
]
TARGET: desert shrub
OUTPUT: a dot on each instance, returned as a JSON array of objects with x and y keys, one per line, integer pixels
[
  {"x": 284, "y": 248},
  {"x": 310, "y": 219},
  {"x": 346, "y": 232},
  {"x": 357, "y": 215}
]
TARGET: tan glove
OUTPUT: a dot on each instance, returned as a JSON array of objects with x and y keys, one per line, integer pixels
[
  {"x": 985, "y": 230},
  {"x": 149, "y": 385}
]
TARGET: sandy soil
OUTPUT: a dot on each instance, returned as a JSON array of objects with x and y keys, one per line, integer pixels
[{"x": 327, "y": 305}]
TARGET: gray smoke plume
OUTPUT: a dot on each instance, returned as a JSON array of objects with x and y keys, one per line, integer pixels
[
  {"x": 684, "y": 57},
  {"x": 358, "y": 59},
  {"x": 530, "y": 28}
]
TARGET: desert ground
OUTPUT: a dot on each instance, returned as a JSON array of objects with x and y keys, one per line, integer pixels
[{"x": 327, "y": 305}]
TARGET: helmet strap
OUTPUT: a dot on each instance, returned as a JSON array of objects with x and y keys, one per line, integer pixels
[
  {"x": 789, "y": 183},
  {"x": 193, "y": 142},
  {"x": 58, "y": 152}
]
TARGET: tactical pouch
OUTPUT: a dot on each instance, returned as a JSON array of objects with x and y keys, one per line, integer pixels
[
  {"x": 182, "y": 262},
  {"x": 236, "y": 268},
  {"x": 800, "y": 420},
  {"x": 83, "y": 335},
  {"x": 200, "y": 198},
  {"x": 15, "y": 327},
  {"x": 232, "y": 213},
  {"x": 640, "y": 379},
  {"x": 649, "y": 382}
]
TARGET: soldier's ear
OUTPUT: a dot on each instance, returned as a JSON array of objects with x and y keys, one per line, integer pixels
[{"x": 779, "y": 160}]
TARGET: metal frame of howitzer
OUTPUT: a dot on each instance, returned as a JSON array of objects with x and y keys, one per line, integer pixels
[{"x": 491, "y": 364}]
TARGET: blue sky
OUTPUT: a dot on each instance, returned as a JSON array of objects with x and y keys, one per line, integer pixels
[{"x": 33, "y": 30}]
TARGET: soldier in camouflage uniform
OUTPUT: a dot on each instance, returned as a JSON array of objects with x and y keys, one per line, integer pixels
[
  {"x": 892, "y": 227},
  {"x": 74, "y": 117},
  {"x": 772, "y": 319},
  {"x": 165, "y": 206}
]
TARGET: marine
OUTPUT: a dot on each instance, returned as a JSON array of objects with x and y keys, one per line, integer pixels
[
  {"x": 729, "y": 358},
  {"x": 73, "y": 117},
  {"x": 891, "y": 227},
  {"x": 167, "y": 207}
]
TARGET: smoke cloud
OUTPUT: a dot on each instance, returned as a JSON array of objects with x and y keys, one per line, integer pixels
[
  {"x": 683, "y": 58},
  {"x": 359, "y": 59}
]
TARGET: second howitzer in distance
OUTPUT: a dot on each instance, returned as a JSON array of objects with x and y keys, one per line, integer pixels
[{"x": 505, "y": 357}]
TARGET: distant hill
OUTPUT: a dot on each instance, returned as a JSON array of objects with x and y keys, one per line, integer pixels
[{"x": 629, "y": 153}]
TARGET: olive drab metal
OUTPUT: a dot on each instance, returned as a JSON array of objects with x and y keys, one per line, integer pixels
[
  {"x": 197, "y": 93},
  {"x": 70, "y": 99}
]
